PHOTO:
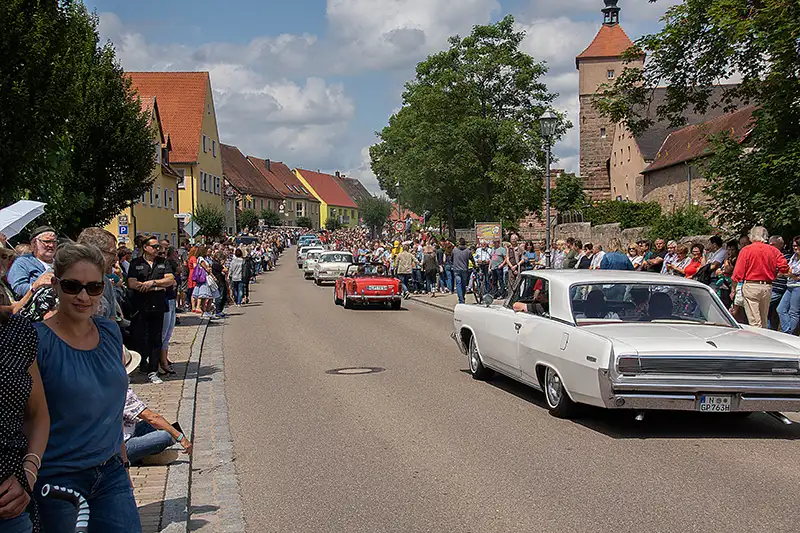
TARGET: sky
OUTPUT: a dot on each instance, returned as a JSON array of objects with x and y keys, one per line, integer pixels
[{"x": 309, "y": 82}]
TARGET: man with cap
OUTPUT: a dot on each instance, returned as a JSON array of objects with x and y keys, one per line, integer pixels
[{"x": 29, "y": 268}]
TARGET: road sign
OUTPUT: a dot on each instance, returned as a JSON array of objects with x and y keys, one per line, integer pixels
[
  {"x": 186, "y": 217},
  {"x": 123, "y": 230},
  {"x": 192, "y": 229},
  {"x": 400, "y": 226},
  {"x": 122, "y": 220}
]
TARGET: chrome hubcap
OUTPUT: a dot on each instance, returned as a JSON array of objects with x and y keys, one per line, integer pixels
[
  {"x": 553, "y": 387},
  {"x": 473, "y": 359}
]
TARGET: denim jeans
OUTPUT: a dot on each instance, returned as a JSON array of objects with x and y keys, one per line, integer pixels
[
  {"x": 772, "y": 314},
  {"x": 446, "y": 278},
  {"x": 18, "y": 524},
  {"x": 147, "y": 440},
  {"x": 462, "y": 280},
  {"x": 405, "y": 279},
  {"x": 238, "y": 292},
  {"x": 418, "y": 284},
  {"x": 430, "y": 281},
  {"x": 498, "y": 277},
  {"x": 108, "y": 491},
  {"x": 789, "y": 310},
  {"x": 168, "y": 326}
]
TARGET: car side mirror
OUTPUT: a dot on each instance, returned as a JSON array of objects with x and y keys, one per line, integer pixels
[{"x": 488, "y": 300}]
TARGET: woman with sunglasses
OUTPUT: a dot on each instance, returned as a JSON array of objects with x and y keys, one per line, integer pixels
[
  {"x": 789, "y": 306},
  {"x": 85, "y": 383}
]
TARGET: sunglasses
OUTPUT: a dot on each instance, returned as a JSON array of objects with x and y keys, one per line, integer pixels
[
  {"x": 155, "y": 246},
  {"x": 71, "y": 286}
]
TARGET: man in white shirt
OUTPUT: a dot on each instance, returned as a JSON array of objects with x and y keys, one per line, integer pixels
[
  {"x": 483, "y": 256},
  {"x": 597, "y": 258}
]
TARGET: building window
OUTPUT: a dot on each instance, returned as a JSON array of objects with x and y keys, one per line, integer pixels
[
  {"x": 182, "y": 179},
  {"x": 172, "y": 200},
  {"x": 352, "y": 213},
  {"x": 158, "y": 196},
  {"x": 202, "y": 180},
  {"x": 269, "y": 205},
  {"x": 299, "y": 209},
  {"x": 602, "y": 133},
  {"x": 610, "y": 74},
  {"x": 158, "y": 153},
  {"x": 217, "y": 185},
  {"x": 205, "y": 149},
  {"x": 213, "y": 147},
  {"x": 629, "y": 153},
  {"x": 152, "y": 195}
]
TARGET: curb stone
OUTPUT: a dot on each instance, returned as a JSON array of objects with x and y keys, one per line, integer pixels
[{"x": 177, "y": 494}]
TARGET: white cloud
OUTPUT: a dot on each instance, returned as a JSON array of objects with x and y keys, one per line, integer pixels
[{"x": 364, "y": 173}]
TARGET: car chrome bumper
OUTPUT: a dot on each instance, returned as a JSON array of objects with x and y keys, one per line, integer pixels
[
  {"x": 374, "y": 298},
  {"x": 746, "y": 395},
  {"x": 327, "y": 277}
]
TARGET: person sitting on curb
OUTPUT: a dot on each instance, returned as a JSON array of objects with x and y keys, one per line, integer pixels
[{"x": 146, "y": 432}]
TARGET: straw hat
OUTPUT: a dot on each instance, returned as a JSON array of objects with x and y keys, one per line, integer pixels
[{"x": 132, "y": 359}]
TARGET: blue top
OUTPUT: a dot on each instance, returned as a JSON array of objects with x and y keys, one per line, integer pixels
[
  {"x": 24, "y": 271},
  {"x": 615, "y": 261},
  {"x": 85, "y": 392}
]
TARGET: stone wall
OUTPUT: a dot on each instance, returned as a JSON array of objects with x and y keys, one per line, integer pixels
[
  {"x": 674, "y": 180},
  {"x": 595, "y": 149}
]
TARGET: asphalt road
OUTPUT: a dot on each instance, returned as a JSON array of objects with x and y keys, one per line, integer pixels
[{"x": 422, "y": 447}]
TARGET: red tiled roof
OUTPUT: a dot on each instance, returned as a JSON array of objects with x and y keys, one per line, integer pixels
[
  {"x": 354, "y": 188},
  {"x": 405, "y": 212},
  {"x": 326, "y": 188},
  {"x": 281, "y": 178},
  {"x": 181, "y": 101},
  {"x": 692, "y": 142},
  {"x": 243, "y": 175},
  {"x": 610, "y": 41}
]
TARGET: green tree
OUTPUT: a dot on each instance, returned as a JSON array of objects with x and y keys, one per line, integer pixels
[
  {"x": 271, "y": 218},
  {"x": 332, "y": 224},
  {"x": 248, "y": 218},
  {"x": 758, "y": 41},
  {"x": 568, "y": 193},
  {"x": 211, "y": 220},
  {"x": 627, "y": 214},
  {"x": 100, "y": 153},
  {"x": 684, "y": 222},
  {"x": 375, "y": 212},
  {"x": 465, "y": 145},
  {"x": 304, "y": 222}
]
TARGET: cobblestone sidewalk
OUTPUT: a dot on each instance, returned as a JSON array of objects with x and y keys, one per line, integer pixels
[{"x": 150, "y": 481}]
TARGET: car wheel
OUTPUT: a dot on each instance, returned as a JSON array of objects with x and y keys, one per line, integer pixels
[
  {"x": 558, "y": 401},
  {"x": 336, "y": 301},
  {"x": 348, "y": 303},
  {"x": 396, "y": 305},
  {"x": 476, "y": 367},
  {"x": 299, "y": 266}
]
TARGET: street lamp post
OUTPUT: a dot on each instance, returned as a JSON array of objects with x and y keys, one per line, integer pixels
[{"x": 548, "y": 122}]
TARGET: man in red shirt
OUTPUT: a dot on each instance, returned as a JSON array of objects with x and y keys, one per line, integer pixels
[{"x": 757, "y": 267}]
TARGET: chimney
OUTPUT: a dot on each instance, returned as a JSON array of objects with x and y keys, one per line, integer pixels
[
  {"x": 337, "y": 174},
  {"x": 266, "y": 162}
]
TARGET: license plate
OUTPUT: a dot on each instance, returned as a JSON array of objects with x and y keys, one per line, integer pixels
[
  {"x": 715, "y": 404},
  {"x": 377, "y": 287}
]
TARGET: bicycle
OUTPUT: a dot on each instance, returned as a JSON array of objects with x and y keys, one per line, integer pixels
[
  {"x": 74, "y": 497},
  {"x": 478, "y": 285}
]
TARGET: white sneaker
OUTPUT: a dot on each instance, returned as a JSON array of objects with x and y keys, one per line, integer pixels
[{"x": 153, "y": 378}]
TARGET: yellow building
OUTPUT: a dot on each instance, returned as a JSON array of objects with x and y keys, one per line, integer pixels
[
  {"x": 153, "y": 213},
  {"x": 334, "y": 201},
  {"x": 187, "y": 111}
]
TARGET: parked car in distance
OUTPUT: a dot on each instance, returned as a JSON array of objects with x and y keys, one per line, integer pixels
[
  {"x": 367, "y": 284},
  {"x": 310, "y": 261},
  {"x": 303, "y": 252},
  {"x": 629, "y": 340},
  {"x": 331, "y": 265},
  {"x": 307, "y": 240},
  {"x": 246, "y": 239}
]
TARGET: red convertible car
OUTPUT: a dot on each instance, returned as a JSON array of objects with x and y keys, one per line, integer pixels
[{"x": 366, "y": 284}]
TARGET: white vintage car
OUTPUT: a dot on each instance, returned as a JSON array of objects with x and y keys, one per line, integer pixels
[
  {"x": 629, "y": 340},
  {"x": 308, "y": 265},
  {"x": 331, "y": 266},
  {"x": 302, "y": 253}
]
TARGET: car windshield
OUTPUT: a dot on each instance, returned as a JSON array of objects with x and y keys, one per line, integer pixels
[
  {"x": 313, "y": 255},
  {"x": 367, "y": 270},
  {"x": 643, "y": 302},
  {"x": 336, "y": 258}
]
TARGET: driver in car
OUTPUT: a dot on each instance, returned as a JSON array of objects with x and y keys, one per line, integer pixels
[{"x": 536, "y": 304}]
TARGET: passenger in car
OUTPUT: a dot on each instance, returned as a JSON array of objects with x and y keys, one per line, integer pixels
[
  {"x": 660, "y": 306},
  {"x": 596, "y": 306}
]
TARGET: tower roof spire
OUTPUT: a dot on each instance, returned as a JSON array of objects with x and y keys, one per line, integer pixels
[{"x": 610, "y": 13}]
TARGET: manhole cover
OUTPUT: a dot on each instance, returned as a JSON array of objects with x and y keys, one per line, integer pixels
[{"x": 356, "y": 370}]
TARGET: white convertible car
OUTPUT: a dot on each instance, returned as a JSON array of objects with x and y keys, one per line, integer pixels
[
  {"x": 312, "y": 256},
  {"x": 629, "y": 340},
  {"x": 330, "y": 266}
]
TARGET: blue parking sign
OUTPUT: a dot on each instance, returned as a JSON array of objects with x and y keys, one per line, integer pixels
[{"x": 123, "y": 230}]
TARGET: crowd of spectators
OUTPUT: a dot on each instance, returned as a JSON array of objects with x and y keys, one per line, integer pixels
[{"x": 76, "y": 319}]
